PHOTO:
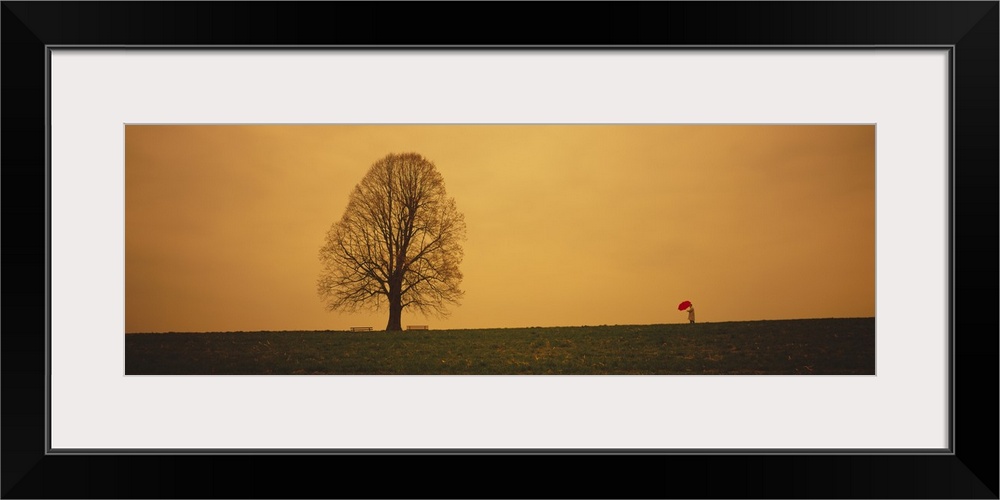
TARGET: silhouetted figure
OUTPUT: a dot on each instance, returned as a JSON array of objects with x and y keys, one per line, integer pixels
[{"x": 690, "y": 311}]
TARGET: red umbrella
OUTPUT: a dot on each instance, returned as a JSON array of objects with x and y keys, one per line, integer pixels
[{"x": 684, "y": 305}]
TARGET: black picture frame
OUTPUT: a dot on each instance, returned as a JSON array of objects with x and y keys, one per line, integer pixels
[{"x": 969, "y": 28}]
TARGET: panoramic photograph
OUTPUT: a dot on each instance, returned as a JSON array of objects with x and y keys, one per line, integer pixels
[{"x": 607, "y": 249}]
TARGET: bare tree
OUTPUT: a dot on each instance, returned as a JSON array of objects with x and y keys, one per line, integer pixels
[{"x": 397, "y": 244}]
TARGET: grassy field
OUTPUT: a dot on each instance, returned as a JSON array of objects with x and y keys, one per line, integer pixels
[{"x": 785, "y": 347}]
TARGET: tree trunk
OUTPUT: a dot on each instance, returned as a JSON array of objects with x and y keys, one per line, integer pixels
[{"x": 395, "y": 307}]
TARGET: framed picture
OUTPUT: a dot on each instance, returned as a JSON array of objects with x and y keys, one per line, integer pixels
[{"x": 920, "y": 77}]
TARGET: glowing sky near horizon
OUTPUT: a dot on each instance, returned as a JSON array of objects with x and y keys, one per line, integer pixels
[{"x": 567, "y": 224}]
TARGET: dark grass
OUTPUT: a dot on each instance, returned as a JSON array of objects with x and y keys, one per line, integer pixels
[{"x": 782, "y": 347}]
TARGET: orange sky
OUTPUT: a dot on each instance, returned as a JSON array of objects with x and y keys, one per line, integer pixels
[{"x": 567, "y": 225}]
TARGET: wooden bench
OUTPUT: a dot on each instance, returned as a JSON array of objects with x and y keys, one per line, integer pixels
[
  {"x": 417, "y": 327},
  {"x": 361, "y": 328}
]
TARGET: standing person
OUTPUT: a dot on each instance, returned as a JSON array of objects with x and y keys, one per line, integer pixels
[{"x": 690, "y": 311}]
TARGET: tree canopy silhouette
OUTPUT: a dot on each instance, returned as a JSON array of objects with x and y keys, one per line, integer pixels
[{"x": 398, "y": 243}]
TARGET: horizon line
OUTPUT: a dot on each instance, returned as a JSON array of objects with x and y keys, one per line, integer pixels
[{"x": 348, "y": 329}]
